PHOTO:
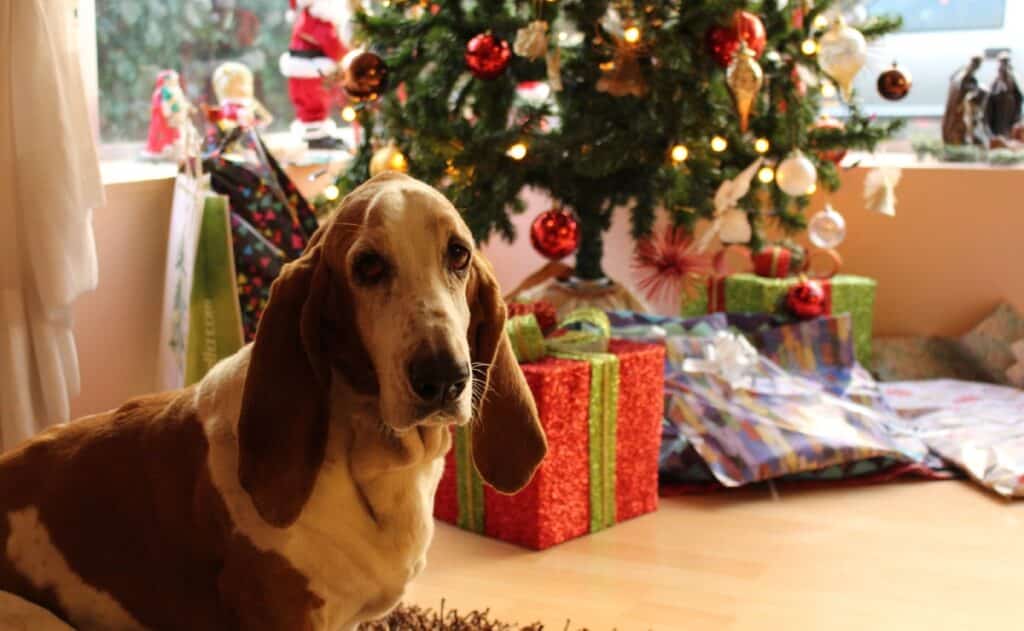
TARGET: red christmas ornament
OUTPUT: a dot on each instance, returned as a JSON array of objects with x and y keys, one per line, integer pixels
[
  {"x": 837, "y": 154},
  {"x": 724, "y": 41},
  {"x": 807, "y": 299},
  {"x": 670, "y": 264},
  {"x": 487, "y": 56},
  {"x": 555, "y": 233},
  {"x": 365, "y": 75},
  {"x": 773, "y": 262},
  {"x": 894, "y": 84}
]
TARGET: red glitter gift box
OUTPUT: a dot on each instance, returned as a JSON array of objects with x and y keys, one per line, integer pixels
[{"x": 602, "y": 462}]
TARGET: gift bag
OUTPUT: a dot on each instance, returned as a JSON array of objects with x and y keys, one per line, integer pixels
[
  {"x": 215, "y": 321},
  {"x": 200, "y": 322},
  {"x": 271, "y": 222}
]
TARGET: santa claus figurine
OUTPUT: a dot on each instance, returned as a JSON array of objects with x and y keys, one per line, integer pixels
[
  {"x": 169, "y": 111},
  {"x": 317, "y": 45}
]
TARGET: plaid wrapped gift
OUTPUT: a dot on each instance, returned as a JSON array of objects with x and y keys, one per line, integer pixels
[{"x": 600, "y": 403}]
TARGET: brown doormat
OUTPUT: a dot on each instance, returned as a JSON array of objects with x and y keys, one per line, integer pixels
[{"x": 412, "y": 618}]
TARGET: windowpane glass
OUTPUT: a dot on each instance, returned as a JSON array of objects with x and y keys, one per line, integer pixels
[
  {"x": 942, "y": 15},
  {"x": 136, "y": 39}
]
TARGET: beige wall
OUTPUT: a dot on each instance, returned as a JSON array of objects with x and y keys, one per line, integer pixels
[
  {"x": 116, "y": 326},
  {"x": 954, "y": 250}
]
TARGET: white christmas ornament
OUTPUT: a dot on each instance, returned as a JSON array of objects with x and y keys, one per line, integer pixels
[
  {"x": 880, "y": 190},
  {"x": 796, "y": 175},
  {"x": 842, "y": 53},
  {"x": 827, "y": 228}
]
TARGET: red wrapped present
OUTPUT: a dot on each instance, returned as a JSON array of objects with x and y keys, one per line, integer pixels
[{"x": 601, "y": 410}]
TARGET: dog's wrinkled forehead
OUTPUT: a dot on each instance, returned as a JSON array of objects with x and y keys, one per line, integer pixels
[
  {"x": 411, "y": 211},
  {"x": 389, "y": 210}
]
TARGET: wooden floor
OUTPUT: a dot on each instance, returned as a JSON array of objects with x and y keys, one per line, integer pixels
[{"x": 921, "y": 555}]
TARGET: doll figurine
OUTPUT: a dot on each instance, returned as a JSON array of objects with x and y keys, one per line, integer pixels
[
  {"x": 169, "y": 111},
  {"x": 961, "y": 85},
  {"x": 314, "y": 53},
  {"x": 234, "y": 86},
  {"x": 1003, "y": 111}
]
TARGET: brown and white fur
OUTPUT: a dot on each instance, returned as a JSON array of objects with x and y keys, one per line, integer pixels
[{"x": 292, "y": 488}]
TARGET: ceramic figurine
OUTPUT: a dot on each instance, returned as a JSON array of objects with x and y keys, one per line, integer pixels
[
  {"x": 963, "y": 81},
  {"x": 975, "y": 127},
  {"x": 314, "y": 53},
  {"x": 169, "y": 111},
  {"x": 234, "y": 86},
  {"x": 1003, "y": 111}
]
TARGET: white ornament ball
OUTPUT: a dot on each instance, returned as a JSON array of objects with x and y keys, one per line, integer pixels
[
  {"x": 827, "y": 228},
  {"x": 842, "y": 53},
  {"x": 796, "y": 175},
  {"x": 735, "y": 227}
]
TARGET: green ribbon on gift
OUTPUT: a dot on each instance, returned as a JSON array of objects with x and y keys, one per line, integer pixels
[{"x": 582, "y": 336}]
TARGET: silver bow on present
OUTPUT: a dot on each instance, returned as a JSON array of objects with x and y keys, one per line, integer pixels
[{"x": 728, "y": 356}]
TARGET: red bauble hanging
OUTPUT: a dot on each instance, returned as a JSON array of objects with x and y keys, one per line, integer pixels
[
  {"x": 555, "y": 233},
  {"x": 807, "y": 299},
  {"x": 836, "y": 155},
  {"x": 365, "y": 75},
  {"x": 894, "y": 83},
  {"x": 724, "y": 41},
  {"x": 487, "y": 56}
]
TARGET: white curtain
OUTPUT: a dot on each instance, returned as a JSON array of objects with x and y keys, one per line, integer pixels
[{"x": 49, "y": 184}]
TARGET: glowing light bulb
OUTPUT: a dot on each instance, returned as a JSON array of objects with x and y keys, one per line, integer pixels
[
  {"x": 332, "y": 193},
  {"x": 828, "y": 90},
  {"x": 766, "y": 175},
  {"x": 631, "y": 35},
  {"x": 812, "y": 189},
  {"x": 562, "y": 36},
  {"x": 719, "y": 144},
  {"x": 348, "y": 113},
  {"x": 679, "y": 153},
  {"x": 761, "y": 145},
  {"x": 820, "y": 23},
  {"x": 517, "y": 151},
  {"x": 809, "y": 47}
]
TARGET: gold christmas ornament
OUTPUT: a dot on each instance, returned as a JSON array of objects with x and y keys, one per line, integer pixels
[
  {"x": 842, "y": 53},
  {"x": 532, "y": 40},
  {"x": 388, "y": 158},
  {"x": 744, "y": 78},
  {"x": 622, "y": 76}
]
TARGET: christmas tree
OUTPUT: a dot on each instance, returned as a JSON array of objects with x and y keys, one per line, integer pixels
[{"x": 647, "y": 104}]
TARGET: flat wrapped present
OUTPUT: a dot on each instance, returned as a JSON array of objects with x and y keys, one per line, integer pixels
[
  {"x": 601, "y": 411},
  {"x": 751, "y": 421},
  {"x": 977, "y": 427},
  {"x": 749, "y": 293}
]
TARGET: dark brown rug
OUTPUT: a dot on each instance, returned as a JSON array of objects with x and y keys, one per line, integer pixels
[{"x": 413, "y": 618}]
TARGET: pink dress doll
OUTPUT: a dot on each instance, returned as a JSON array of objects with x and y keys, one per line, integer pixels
[{"x": 168, "y": 113}]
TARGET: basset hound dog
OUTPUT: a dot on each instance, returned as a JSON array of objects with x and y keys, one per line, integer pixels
[{"x": 292, "y": 488}]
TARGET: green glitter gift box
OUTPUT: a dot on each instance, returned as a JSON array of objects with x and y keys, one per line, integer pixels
[{"x": 749, "y": 293}]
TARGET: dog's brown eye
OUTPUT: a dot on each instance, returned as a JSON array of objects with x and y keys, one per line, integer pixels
[
  {"x": 370, "y": 268},
  {"x": 458, "y": 257}
]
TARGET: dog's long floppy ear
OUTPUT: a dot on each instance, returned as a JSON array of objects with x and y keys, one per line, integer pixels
[
  {"x": 508, "y": 442},
  {"x": 282, "y": 429}
]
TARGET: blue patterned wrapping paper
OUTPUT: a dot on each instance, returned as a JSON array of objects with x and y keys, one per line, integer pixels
[{"x": 821, "y": 418}]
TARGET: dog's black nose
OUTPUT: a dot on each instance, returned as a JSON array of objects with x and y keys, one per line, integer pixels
[{"x": 437, "y": 377}]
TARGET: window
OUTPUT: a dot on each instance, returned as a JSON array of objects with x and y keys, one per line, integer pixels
[
  {"x": 136, "y": 39},
  {"x": 942, "y": 15}
]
